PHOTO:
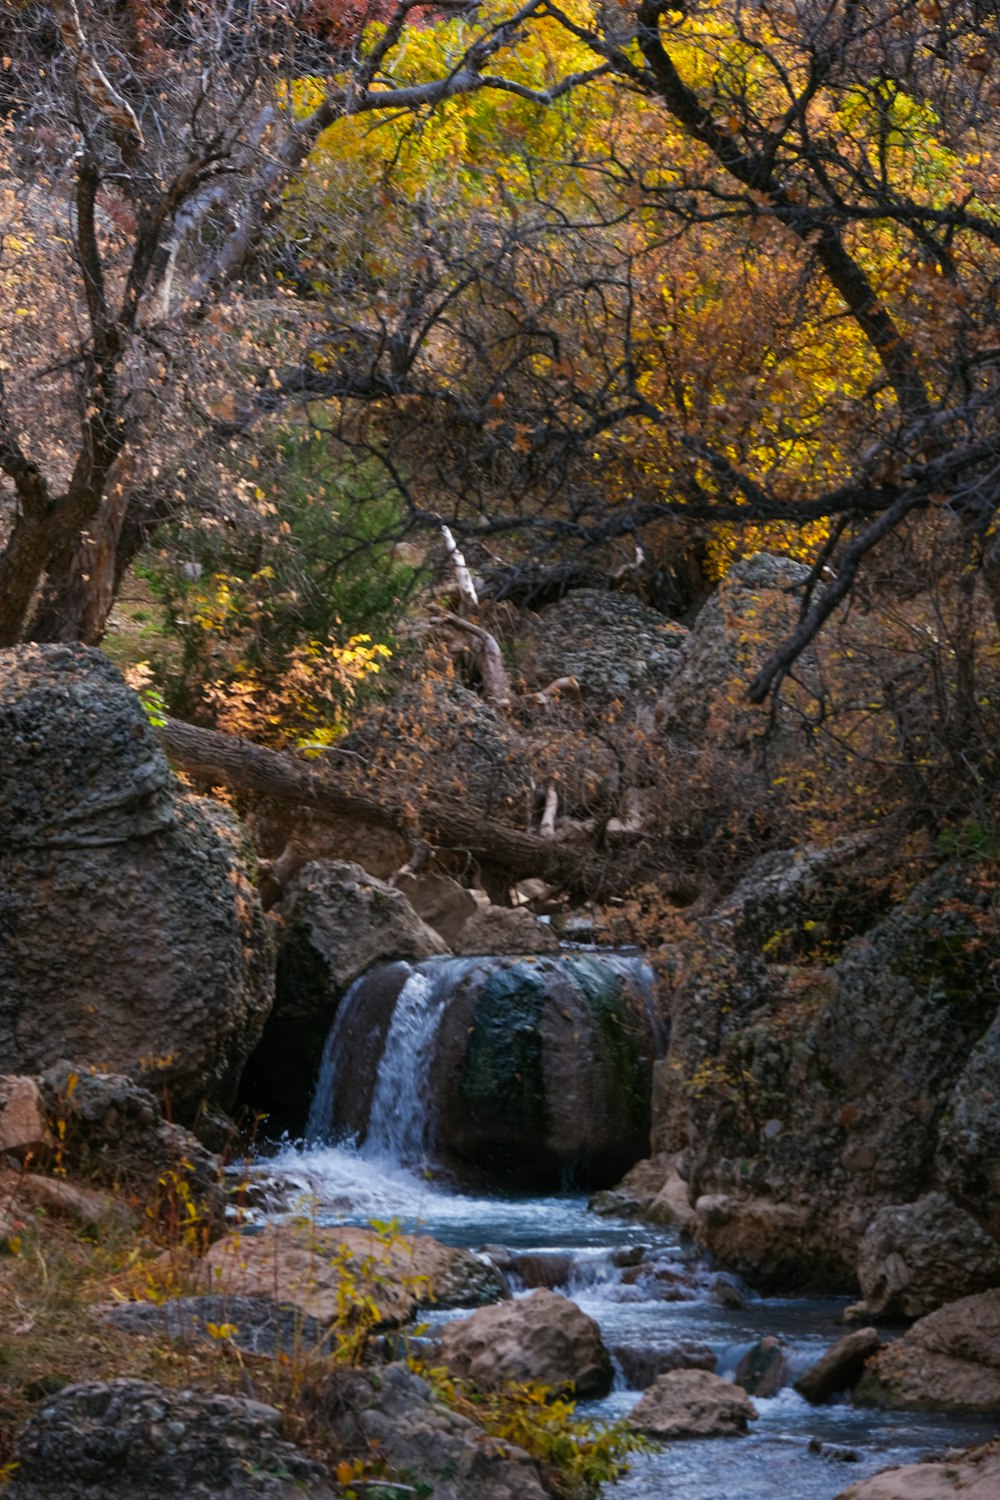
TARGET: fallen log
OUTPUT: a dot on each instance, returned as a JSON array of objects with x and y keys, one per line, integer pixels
[{"x": 226, "y": 760}]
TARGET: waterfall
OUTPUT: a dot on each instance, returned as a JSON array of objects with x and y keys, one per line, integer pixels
[{"x": 400, "y": 1120}]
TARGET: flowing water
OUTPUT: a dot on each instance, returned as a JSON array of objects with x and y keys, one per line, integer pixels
[{"x": 637, "y": 1282}]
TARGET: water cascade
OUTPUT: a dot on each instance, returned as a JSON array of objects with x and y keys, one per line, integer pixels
[{"x": 523, "y": 1071}]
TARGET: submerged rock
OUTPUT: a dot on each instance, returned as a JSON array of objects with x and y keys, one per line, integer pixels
[{"x": 544, "y": 1337}]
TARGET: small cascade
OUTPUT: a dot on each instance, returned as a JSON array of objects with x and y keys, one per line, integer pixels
[{"x": 400, "y": 1120}]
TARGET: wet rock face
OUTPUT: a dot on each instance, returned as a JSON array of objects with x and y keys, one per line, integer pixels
[
  {"x": 537, "y": 1069},
  {"x": 130, "y": 1440},
  {"x": 544, "y": 1068},
  {"x": 544, "y": 1337},
  {"x": 917, "y": 1256},
  {"x": 131, "y": 937}
]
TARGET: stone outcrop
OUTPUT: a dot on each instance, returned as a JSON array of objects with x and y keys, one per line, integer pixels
[
  {"x": 131, "y": 936},
  {"x": 131, "y": 1440},
  {"x": 969, "y": 1476},
  {"x": 305, "y": 1265},
  {"x": 802, "y": 1100},
  {"x": 337, "y": 921},
  {"x": 440, "y": 1453},
  {"x": 915, "y": 1257},
  {"x": 615, "y": 647},
  {"x": 949, "y": 1361},
  {"x": 114, "y": 1132},
  {"x": 840, "y": 1368},
  {"x": 544, "y": 1337},
  {"x": 692, "y": 1404}
]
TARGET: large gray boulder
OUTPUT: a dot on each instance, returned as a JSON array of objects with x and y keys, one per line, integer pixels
[
  {"x": 337, "y": 921},
  {"x": 615, "y": 647},
  {"x": 544, "y": 1337},
  {"x": 131, "y": 936},
  {"x": 132, "y": 1440},
  {"x": 915, "y": 1257}
]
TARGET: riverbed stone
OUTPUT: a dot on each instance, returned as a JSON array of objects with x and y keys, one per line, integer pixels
[
  {"x": 974, "y": 1475},
  {"x": 506, "y": 929},
  {"x": 763, "y": 1370},
  {"x": 948, "y": 1361},
  {"x": 915, "y": 1257},
  {"x": 840, "y": 1368},
  {"x": 543, "y": 1337},
  {"x": 305, "y": 1264},
  {"x": 692, "y": 1404},
  {"x": 641, "y": 1365}
]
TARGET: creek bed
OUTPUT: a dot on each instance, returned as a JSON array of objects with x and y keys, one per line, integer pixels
[{"x": 776, "y": 1458}]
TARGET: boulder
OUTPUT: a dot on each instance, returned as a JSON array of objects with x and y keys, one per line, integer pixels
[
  {"x": 87, "y": 1207},
  {"x": 24, "y": 1128},
  {"x": 337, "y": 921},
  {"x": 614, "y": 646},
  {"x": 968, "y": 1476},
  {"x": 257, "y": 1325},
  {"x": 308, "y": 1266},
  {"x": 505, "y": 929},
  {"x": 756, "y": 604},
  {"x": 131, "y": 936},
  {"x": 915, "y": 1257},
  {"x": 440, "y": 902},
  {"x": 543, "y": 1337},
  {"x": 692, "y": 1404},
  {"x": 517, "y": 1071},
  {"x": 113, "y": 1131},
  {"x": 968, "y": 1151},
  {"x": 948, "y": 1361},
  {"x": 439, "y": 1452},
  {"x": 132, "y": 1440},
  {"x": 840, "y": 1368}
]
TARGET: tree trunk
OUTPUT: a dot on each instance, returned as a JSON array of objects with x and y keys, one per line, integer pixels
[
  {"x": 246, "y": 767},
  {"x": 82, "y": 579}
]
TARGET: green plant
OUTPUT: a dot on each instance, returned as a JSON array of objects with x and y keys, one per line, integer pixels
[{"x": 576, "y": 1455}]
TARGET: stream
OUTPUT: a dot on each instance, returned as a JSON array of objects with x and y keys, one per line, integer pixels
[{"x": 636, "y": 1280}]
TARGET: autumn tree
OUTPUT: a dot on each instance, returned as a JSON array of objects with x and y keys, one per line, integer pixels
[{"x": 155, "y": 310}]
